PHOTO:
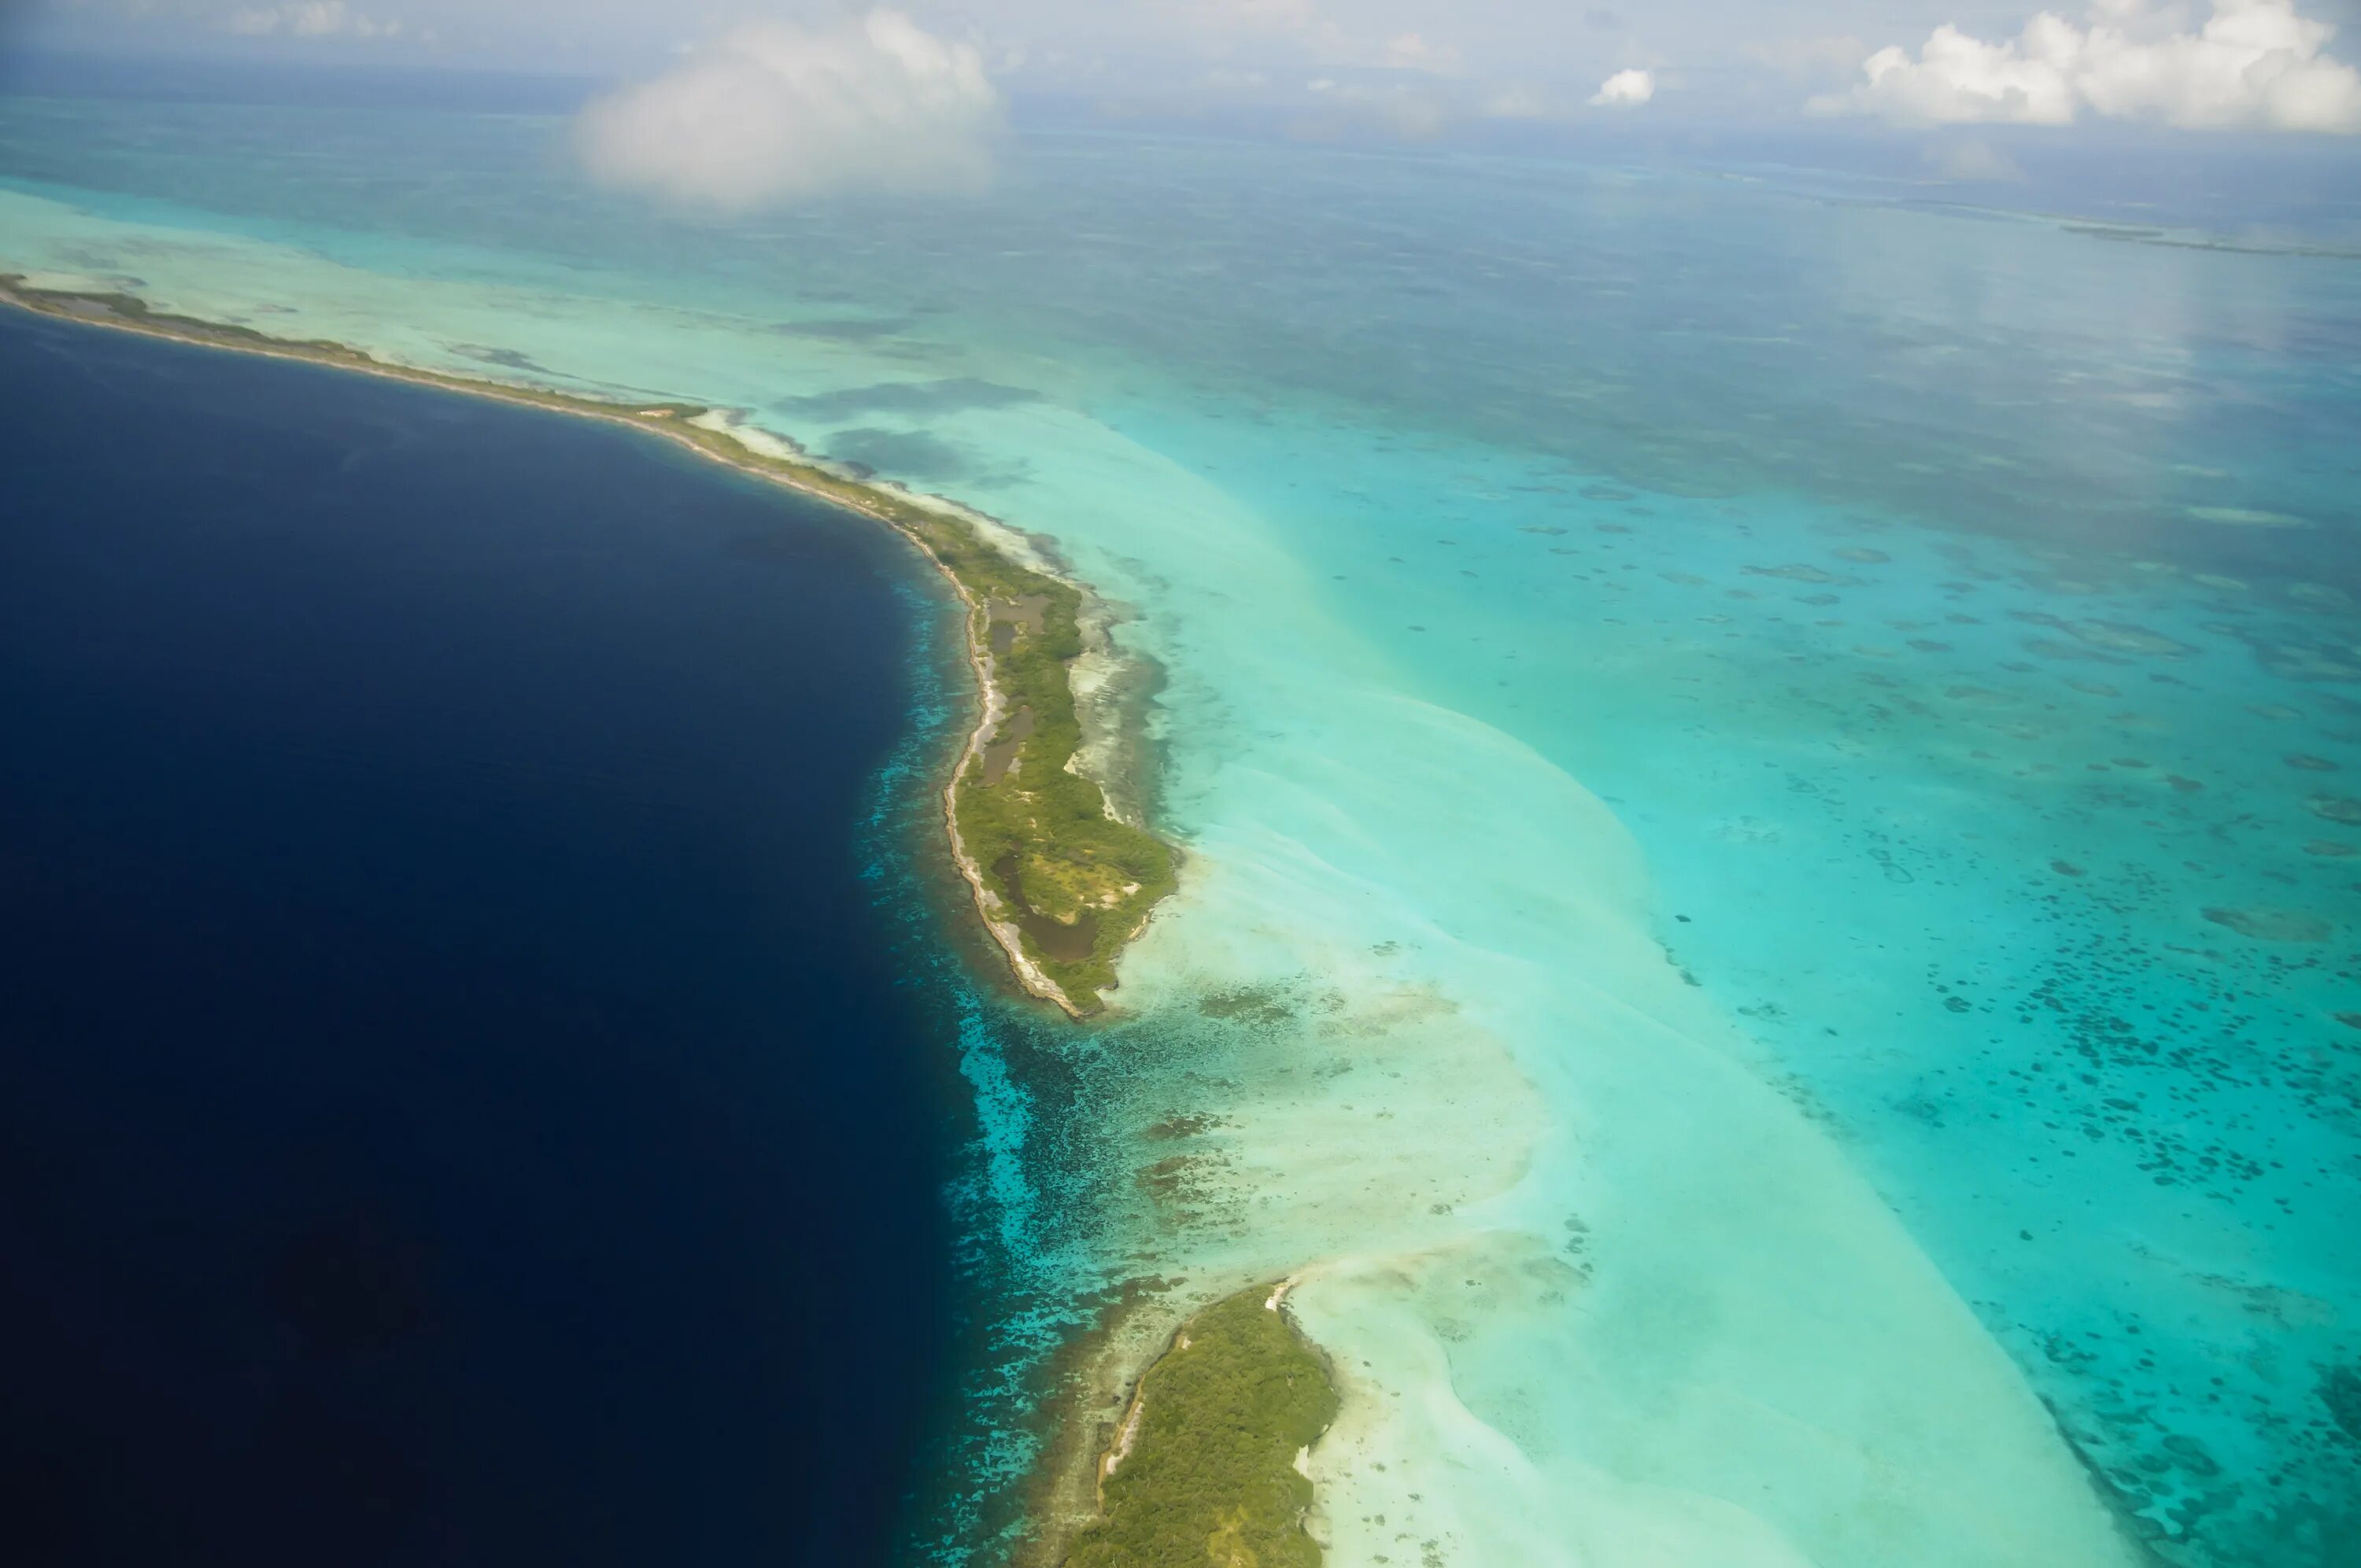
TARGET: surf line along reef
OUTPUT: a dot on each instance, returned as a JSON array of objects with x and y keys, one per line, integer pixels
[{"x": 1061, "y": 878}]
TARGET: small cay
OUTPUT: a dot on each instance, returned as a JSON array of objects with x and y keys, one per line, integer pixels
[
  {"x": 1204, "y": 1469},
  {"x": 1061, "y": 880}
]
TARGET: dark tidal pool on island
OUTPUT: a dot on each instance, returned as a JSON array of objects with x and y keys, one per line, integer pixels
[{"x": 456, "y": 1101}]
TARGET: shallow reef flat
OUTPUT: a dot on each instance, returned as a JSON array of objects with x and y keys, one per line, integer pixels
[{"x": 2052, "y": 933}]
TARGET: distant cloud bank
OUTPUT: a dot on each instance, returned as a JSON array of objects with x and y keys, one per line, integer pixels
[
  {"x": 1625, "y": 89},
  {"x": 2255, "y": 65},
  {"x": 775, "y": 113}
]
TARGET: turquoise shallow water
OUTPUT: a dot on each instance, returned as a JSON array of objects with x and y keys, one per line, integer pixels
[{"x": 1768, "y": 765}]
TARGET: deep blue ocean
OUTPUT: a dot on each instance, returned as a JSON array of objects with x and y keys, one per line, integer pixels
[{"x": 457, "y": 1105}]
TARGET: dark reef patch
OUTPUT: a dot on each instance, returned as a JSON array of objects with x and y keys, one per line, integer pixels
[
  {"x": 2340, "y": 1390},
  {"x": 847, "y": 329},
  {"x": 901, "y": 455},
  {"x": 1266, "y": 1006},
  {"x": 506, "y": 358},
  {"x": 955, "y": 394}
]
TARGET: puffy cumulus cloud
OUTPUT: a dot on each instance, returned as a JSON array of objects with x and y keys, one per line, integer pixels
[
  {"x": 1627, "y": 89},
  {"x": 1541, "y": 105},
  {"x": 773, "y": 114},
  {"x": 2255, "y": 63},
  {"x": 312, "y": 19}
]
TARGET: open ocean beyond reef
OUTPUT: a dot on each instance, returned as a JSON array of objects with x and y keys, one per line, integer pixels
[
  {"x": 1770, "y": 765},
  {"x": 458, "y": 1105}
]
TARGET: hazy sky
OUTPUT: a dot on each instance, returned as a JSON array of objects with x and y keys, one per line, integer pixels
[{"x": 1411, "y": 66}]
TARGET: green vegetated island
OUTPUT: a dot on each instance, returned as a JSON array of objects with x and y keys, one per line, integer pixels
[
  {"x": 1062, "y": 882},
  {"x": 1205, "y": 1468}
]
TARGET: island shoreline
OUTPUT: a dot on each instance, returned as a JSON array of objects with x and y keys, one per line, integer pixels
[
  {"x": 1063, "y": 1501},
  {"x": 674, "y": 423}
]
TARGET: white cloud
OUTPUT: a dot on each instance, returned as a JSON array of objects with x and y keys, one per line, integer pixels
[
  {"x": 312, "y": 19},
  {"x": 775, "y": 113},
  {"x": 1626, "y": 89},
  {"x": 2255, "y": 63}
]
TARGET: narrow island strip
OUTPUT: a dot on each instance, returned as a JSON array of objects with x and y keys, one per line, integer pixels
[
  {"x": 1208, "y": 1463},
  {"x": 1060, "y": 879}
]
